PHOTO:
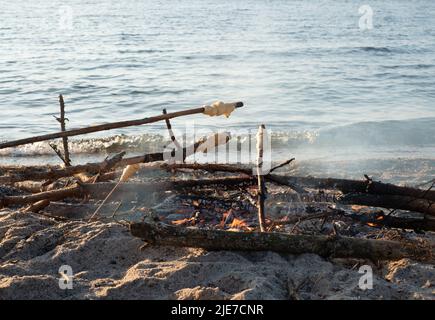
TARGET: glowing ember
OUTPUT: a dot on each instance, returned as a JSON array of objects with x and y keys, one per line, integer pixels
[
  {"x": 358, "y": 208},
  {"x": 195, "y": 203},
  {"x": 183, "y": 221}
]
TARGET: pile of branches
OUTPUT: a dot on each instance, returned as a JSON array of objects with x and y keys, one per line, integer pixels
[{"x": 34, "y": 188}]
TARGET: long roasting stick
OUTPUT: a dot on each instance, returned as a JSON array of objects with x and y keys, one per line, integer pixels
[{"x": 112, "y": 125}]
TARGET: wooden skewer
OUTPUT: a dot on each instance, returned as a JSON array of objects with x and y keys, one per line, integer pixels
[
  {"x": 106, "y": 126},
  {"x": 260, "y": 178}
]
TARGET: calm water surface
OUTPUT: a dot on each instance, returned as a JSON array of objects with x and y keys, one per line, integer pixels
[{"x": 304, "y": 68}]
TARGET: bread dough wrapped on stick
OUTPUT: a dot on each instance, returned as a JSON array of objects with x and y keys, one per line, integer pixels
[
  {"x": 214, "y": 141},
  {"x": 129, "y": 171},
  {"x": 219, "y": 108}
]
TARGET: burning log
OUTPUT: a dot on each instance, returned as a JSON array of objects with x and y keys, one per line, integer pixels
[
  {"x": 390, "y": 201},
  {"x": 379, "y": 219},
  {"x": 215, "y": 109},
  {"x": 337, "y": 247}
]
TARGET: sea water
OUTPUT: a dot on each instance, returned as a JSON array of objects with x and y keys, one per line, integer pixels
[{"x": 341, "y": 80}]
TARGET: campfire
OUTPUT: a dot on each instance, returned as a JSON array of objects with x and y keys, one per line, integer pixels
[{"x": 231, "y": 207}]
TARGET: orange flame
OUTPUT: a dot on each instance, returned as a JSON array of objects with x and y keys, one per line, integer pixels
[{"x": 238, "y": 223}]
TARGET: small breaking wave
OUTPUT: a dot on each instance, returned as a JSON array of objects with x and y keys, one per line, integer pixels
[{"x": 393, "y": 135}]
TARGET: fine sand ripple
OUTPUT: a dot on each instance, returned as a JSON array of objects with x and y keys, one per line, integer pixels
[{"x": 108, "y": 263}]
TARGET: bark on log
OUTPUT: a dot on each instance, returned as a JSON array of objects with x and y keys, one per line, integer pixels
[
  {"x": 103, "y": 127},
  {"x": 339, "y": 247},
  {"x": 391, "y": 201},
  {"x": 38, "y": 206},
  {"x": 361, "y": 186}
]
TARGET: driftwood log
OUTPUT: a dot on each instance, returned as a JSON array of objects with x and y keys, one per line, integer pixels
[
  {"x": 361, "y": 186},
  {"x": 338, "y": 247},
  {"x": 53, "y": 173},
  {"x": 16, "y": 174},
  {"x": 344, "y": 185},
  {"x": 106, "y": 126},
  {"x": 100, "y": 190},
  {"x": 379, "y": 219}
]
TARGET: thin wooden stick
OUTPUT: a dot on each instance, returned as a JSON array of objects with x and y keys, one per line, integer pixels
[
  {"x": 58, "y": 153},
  {"x": 260, "y": 178},
  {"x": 107, "y": 126},
  {"x": 63, "y": 129},
  {"x": 171, "y": 133},
  {"x": 282, "y": 165},
  {"x": 105, "y": 200}
]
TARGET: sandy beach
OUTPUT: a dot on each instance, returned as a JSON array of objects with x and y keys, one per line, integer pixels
[{"x": 108, "y": 263}]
